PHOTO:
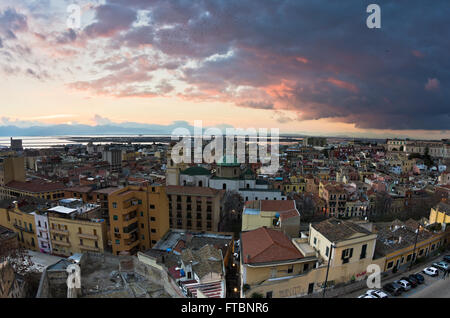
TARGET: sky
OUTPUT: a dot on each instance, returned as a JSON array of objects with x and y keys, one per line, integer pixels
[{"x": 309, "y": 67}]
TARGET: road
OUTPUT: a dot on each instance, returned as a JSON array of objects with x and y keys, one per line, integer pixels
[
  {"x": 440, "y": 288},
  {"x": 433, "y": 287}
]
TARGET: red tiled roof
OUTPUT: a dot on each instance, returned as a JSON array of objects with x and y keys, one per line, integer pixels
[
  {"x": 277, "y": 205},
  {"x": 35, "y": 186},
  {"x": 265, "y": 245},
  {"x": 181, "y": 190}
]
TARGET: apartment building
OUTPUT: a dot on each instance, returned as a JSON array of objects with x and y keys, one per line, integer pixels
[
  {"x": 34, "y": 188},
  {"x": 138, "y": 216},
  {"x": 12, "y": 169},
  {"x": 335, "y": 197},
  {"x": 270, "y": 259},
  {"x": 194, "y": 208},
  {"x": 440, "y": 214},
  {"x": 76, "y": 229}
]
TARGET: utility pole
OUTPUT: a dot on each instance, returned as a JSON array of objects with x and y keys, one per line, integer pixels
[
  {"x": 415, "y": 244},
  {"x": 328, "y": 269}
]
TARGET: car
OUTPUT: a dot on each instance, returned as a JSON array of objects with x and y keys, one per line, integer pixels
[
  {"x": 405, "y": 284},
  {"x": 420, "y": 279},
  {"x": 377, "y": 293},
  {"x": 367, "y": 296},
  {"x": 393, "y": 289},
  {"x": 442, "y": 266},
  {"x": 446, "y": 258},
  {"x": 413, "y": 281},
  {"x": 431, "y": 271}
]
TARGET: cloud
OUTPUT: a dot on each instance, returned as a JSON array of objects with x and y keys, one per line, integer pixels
[{"x": 110, "y": 19}]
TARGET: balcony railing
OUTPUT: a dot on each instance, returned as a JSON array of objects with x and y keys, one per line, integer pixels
[
  {"x": 17, "y": 226},
  {"x": 61, "y": 243},
  {"x": 88, "y": 236}
]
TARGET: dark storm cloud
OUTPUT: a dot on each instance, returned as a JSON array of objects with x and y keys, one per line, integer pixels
[{"x": 316, "y": 58}]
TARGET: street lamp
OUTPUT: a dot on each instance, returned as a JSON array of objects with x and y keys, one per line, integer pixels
[
  {"x": 328, "y": 269},
  {"x": 415, "y": 244}
]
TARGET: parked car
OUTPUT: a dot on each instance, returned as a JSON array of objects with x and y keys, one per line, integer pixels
[
  {"x": 431, "y": 271},
  {"x": 366, "y": 296},
  {"x": 377, "y": 293},
  {"x": 405, "y": 284},
  {"x": 446, "y": 258},
  {"x": 393, "y": 288},
  {"x": 441, "y": 265},
  {"x": 413, "y": 281},
  {"x": 419, "y": 278}
]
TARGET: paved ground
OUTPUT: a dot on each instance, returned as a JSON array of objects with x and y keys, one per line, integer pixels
[{"x": 433, "y": 287}]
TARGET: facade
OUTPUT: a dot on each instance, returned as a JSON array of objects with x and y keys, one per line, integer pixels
[
  {"x": 344, "y": 244},
  {"x": 11, "y": 285},
  {"x": 16, "y": 144},
  {"x": 12, "y": 169},
  {"x": 114, "y": 157},
  {"x": 274, "y": 214},
  {"x": 138, "y": 216},
  {"x": 42, "y": 232},
  {"x": 194, "y": 208},
  {"x": 440, "y": 214}
]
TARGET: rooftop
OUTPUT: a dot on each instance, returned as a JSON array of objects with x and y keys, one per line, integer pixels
[
  {"x": 339, "y": 230},
  {"x": 265, "y": 245}
]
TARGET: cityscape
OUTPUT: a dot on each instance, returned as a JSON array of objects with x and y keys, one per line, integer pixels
[{"x": 218, "y": 149}]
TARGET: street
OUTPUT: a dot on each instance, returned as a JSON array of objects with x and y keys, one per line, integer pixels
[{"x": 433, "y": 287}]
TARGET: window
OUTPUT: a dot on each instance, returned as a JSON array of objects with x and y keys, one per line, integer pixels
[
  {"x": 346, "y": 255},
  {"x": 290, "y": 269},
  {"x": 363, "y": 251},
  {"x": 115, "y": 217},
  {"x": 269, "y": 294},
  {"x": 142, "y": 213},
  {"x": 315, "y": 241},
  {"x": 152, "y": 219},
  {"x": 114, "y": 205},
  {"x": 305, "y": 267},
  {"x": 327, "y": 251},
  {"x": 117, "y": 242},
  {"x": 152, "y": 206},
  {"x": 390, "y": 264}
]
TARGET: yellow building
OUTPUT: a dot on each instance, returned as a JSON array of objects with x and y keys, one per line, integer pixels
[
  {"x": 139, "y": 217},
  {"x": 296, "y": 184},
  {"x": 77, "y": 230},
  {"x": 36, "y": 189},
  {"x": 283, "y": 275},
  {"x": 268, "y": 258},
  {"x": 440, "y": 214},
  {"x": 397, "y": 239},
  {"x": 16, "y": 216},
  {"x": 12, "y": 169}
]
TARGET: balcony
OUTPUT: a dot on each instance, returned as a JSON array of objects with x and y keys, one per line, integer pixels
[
  {"x": 88, "y": 236},
  {"x": 61, "y": 243},
  {"x": 129, "y": 219},
  {"x": 61, "y": 232},
  {"x": 131, "y": 244},
  {"x": 89, "y": 248},
  {"x": 21, "y": 228}
]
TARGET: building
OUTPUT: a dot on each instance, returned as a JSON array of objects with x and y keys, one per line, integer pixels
[
  {"x": 348, "y": 247},
  {"x": 211, "y": 255},
  {"x": 335, "y": 197},
  {"x": 138, "y": 216},
  {"x": 16, "y": 216},
  {"x": 440, "y": 214},
  {"x": 274, "y": 214},
  {"x": 37, "y": 189},
  {"x": 16, "y": 144},
  {"x": 76, "y": 227},
  {"x": 402, "y": 242},
  {"x": 12, "y": 169},
  {"x": 269, "y": 258},
  {"x": 114, "y": 157},
  {"x": 195, "y": 208}
]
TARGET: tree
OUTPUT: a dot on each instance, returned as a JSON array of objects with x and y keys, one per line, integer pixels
[{"x": 231, "y": 219}]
